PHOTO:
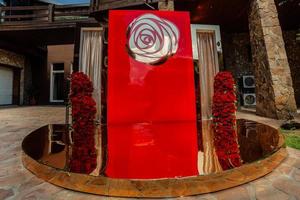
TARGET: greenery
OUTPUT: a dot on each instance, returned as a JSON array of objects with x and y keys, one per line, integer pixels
[{"x": 292, "y": 138}]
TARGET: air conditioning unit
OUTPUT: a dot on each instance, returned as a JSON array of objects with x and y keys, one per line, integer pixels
[
  {"x": 249, "y": 99},
  {"x": 248, "y": 82}
]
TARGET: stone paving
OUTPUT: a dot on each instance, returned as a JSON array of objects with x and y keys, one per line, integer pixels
[{"x": 18, "y": 183}]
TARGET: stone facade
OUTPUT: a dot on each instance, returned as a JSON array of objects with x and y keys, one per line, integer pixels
[
  {"x": 12, "y": 59},
  {"x": 293, "y": 53},
  {"x": 166, "y": 5},
  {"x": 238, "y": 58},
  {"x": 274, "y": 89},
  {"x": 237, "y": 54}
]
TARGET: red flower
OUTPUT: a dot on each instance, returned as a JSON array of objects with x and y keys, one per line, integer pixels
[
  {"x": 224, "y": 121},
  {"x": 84, "y": 157}
]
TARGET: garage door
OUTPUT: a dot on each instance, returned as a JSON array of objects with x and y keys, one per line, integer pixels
[{"x": 6, "y": 86}]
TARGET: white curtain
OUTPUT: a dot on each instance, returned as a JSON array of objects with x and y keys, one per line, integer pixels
[
  {"x": 90, "y": 64},
  {"x": 90, "y": 61},
  {"x": 208, "y": 68}
]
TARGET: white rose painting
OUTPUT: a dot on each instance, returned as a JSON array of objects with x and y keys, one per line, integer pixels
[{"x": 151, "y": 39}]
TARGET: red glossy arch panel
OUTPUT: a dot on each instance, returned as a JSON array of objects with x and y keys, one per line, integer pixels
[{"x": 151, "y": 107}]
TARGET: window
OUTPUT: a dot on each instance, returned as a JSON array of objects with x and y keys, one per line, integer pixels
[{"x": 57, "y": 82}]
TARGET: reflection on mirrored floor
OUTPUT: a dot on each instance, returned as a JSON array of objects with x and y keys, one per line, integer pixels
[
  {"x": 50, "y": 145},
  {"x": 152, "y": 150},
  {"x": 207, "y": 158}
]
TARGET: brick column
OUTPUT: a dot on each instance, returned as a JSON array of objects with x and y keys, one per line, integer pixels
[
  {"x": 166, "y": 5},
  {"x": 274, "y": 90}
]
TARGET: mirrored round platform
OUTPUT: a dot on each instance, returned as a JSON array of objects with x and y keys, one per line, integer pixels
[{"x": 47, "y": 154}]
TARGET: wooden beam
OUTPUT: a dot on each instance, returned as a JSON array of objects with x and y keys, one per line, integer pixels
[
  {"x": 15, "y": 8},
  {"x": 41, "y": 25},
  {"x": 24, "y": 16},
  {"x": 77, "y": 13}
]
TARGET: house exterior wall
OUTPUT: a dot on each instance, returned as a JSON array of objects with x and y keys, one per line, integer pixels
[{"x": 59, "y": 54}]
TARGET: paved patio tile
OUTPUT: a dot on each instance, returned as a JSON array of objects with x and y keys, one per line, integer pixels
[
  {"x": 237, "y": 193},
  {"x": 4, "y": 194},
  {"x": 18, "y": 183},
  {"x": 288, "y": 185}
]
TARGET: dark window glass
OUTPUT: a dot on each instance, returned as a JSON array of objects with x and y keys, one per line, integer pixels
[{"x": 58, "y": 86}]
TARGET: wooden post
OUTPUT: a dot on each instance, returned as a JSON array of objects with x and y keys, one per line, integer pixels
[
  {"x": 166, "y": 5},
  {"x": 51, "y": 13}
]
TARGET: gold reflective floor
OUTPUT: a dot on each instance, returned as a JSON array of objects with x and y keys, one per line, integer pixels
[{"x": 261, "y": 149}]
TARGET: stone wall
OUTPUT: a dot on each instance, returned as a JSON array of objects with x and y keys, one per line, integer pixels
[
  {"x": 12, "y": 59},
  {"x": 238, "y": 58},
  {"x": 237, "y": 54},
  {"x": 274, "y": 90},
  {"x": 61, "y": 53}
]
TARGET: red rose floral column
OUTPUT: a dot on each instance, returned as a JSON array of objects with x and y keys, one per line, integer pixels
[
  {"x": 84, "y": 156},
  {"x": 224, "y": 121}
]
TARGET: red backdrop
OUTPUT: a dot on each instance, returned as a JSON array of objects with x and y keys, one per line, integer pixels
[{"x": 151, "y": 108}]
